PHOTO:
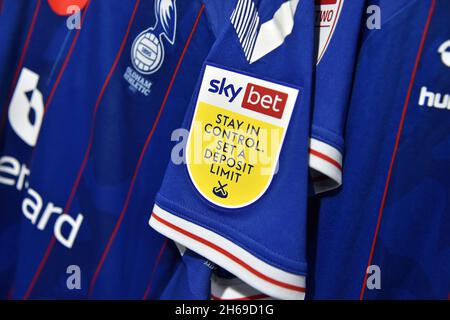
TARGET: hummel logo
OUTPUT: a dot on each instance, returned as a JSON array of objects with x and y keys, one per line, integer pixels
[
  {"x": 444, "y": 50},
  {"x": 258, "y": 40},
  {"x": 431, "y": 99}
]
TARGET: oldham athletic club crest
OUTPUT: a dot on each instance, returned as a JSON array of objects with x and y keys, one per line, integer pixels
[{"x": 148, "y": 50}]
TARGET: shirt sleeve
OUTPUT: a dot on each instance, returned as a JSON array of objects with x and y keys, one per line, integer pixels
[
  {"x": 338, "y": 25},
  {"x": 239, "y": 198}
]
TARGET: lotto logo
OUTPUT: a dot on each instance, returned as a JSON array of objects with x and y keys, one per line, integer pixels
[
  {"x": 27, "y": 108},
  {"x": 265, "y": 100}
]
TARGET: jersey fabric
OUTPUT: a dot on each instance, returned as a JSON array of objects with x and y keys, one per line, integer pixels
[
  {"x": 191, "y": 277},
  {"x": 337, "y": 35},
  {"x": 13, "y": 38},
  {"x": 98, "y": 156},
  {"x": 384, "y": 234},
  {"x": 249, "y": 123},
  {"x": 299, "y": 150},
  {"x": 21, "y": 98}
]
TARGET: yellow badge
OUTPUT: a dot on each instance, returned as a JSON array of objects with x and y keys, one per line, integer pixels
[{"x": 236, "y": 135}]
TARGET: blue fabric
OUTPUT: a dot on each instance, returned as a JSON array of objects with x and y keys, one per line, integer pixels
[
  {"x": 412, "y": 248},
  {"x": 122, "y": 124}
]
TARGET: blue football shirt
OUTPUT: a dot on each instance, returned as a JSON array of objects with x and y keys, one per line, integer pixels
[
  {"x": 239, "y": 198},
  {"x": 384, "y": 233},
  {"x": 91, "y": 129}
]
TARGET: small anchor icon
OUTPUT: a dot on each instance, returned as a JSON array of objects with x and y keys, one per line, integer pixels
[{"x": 220, "y": 190}]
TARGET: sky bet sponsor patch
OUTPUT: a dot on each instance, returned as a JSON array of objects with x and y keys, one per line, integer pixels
[{"x": 236, "y": 135}]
